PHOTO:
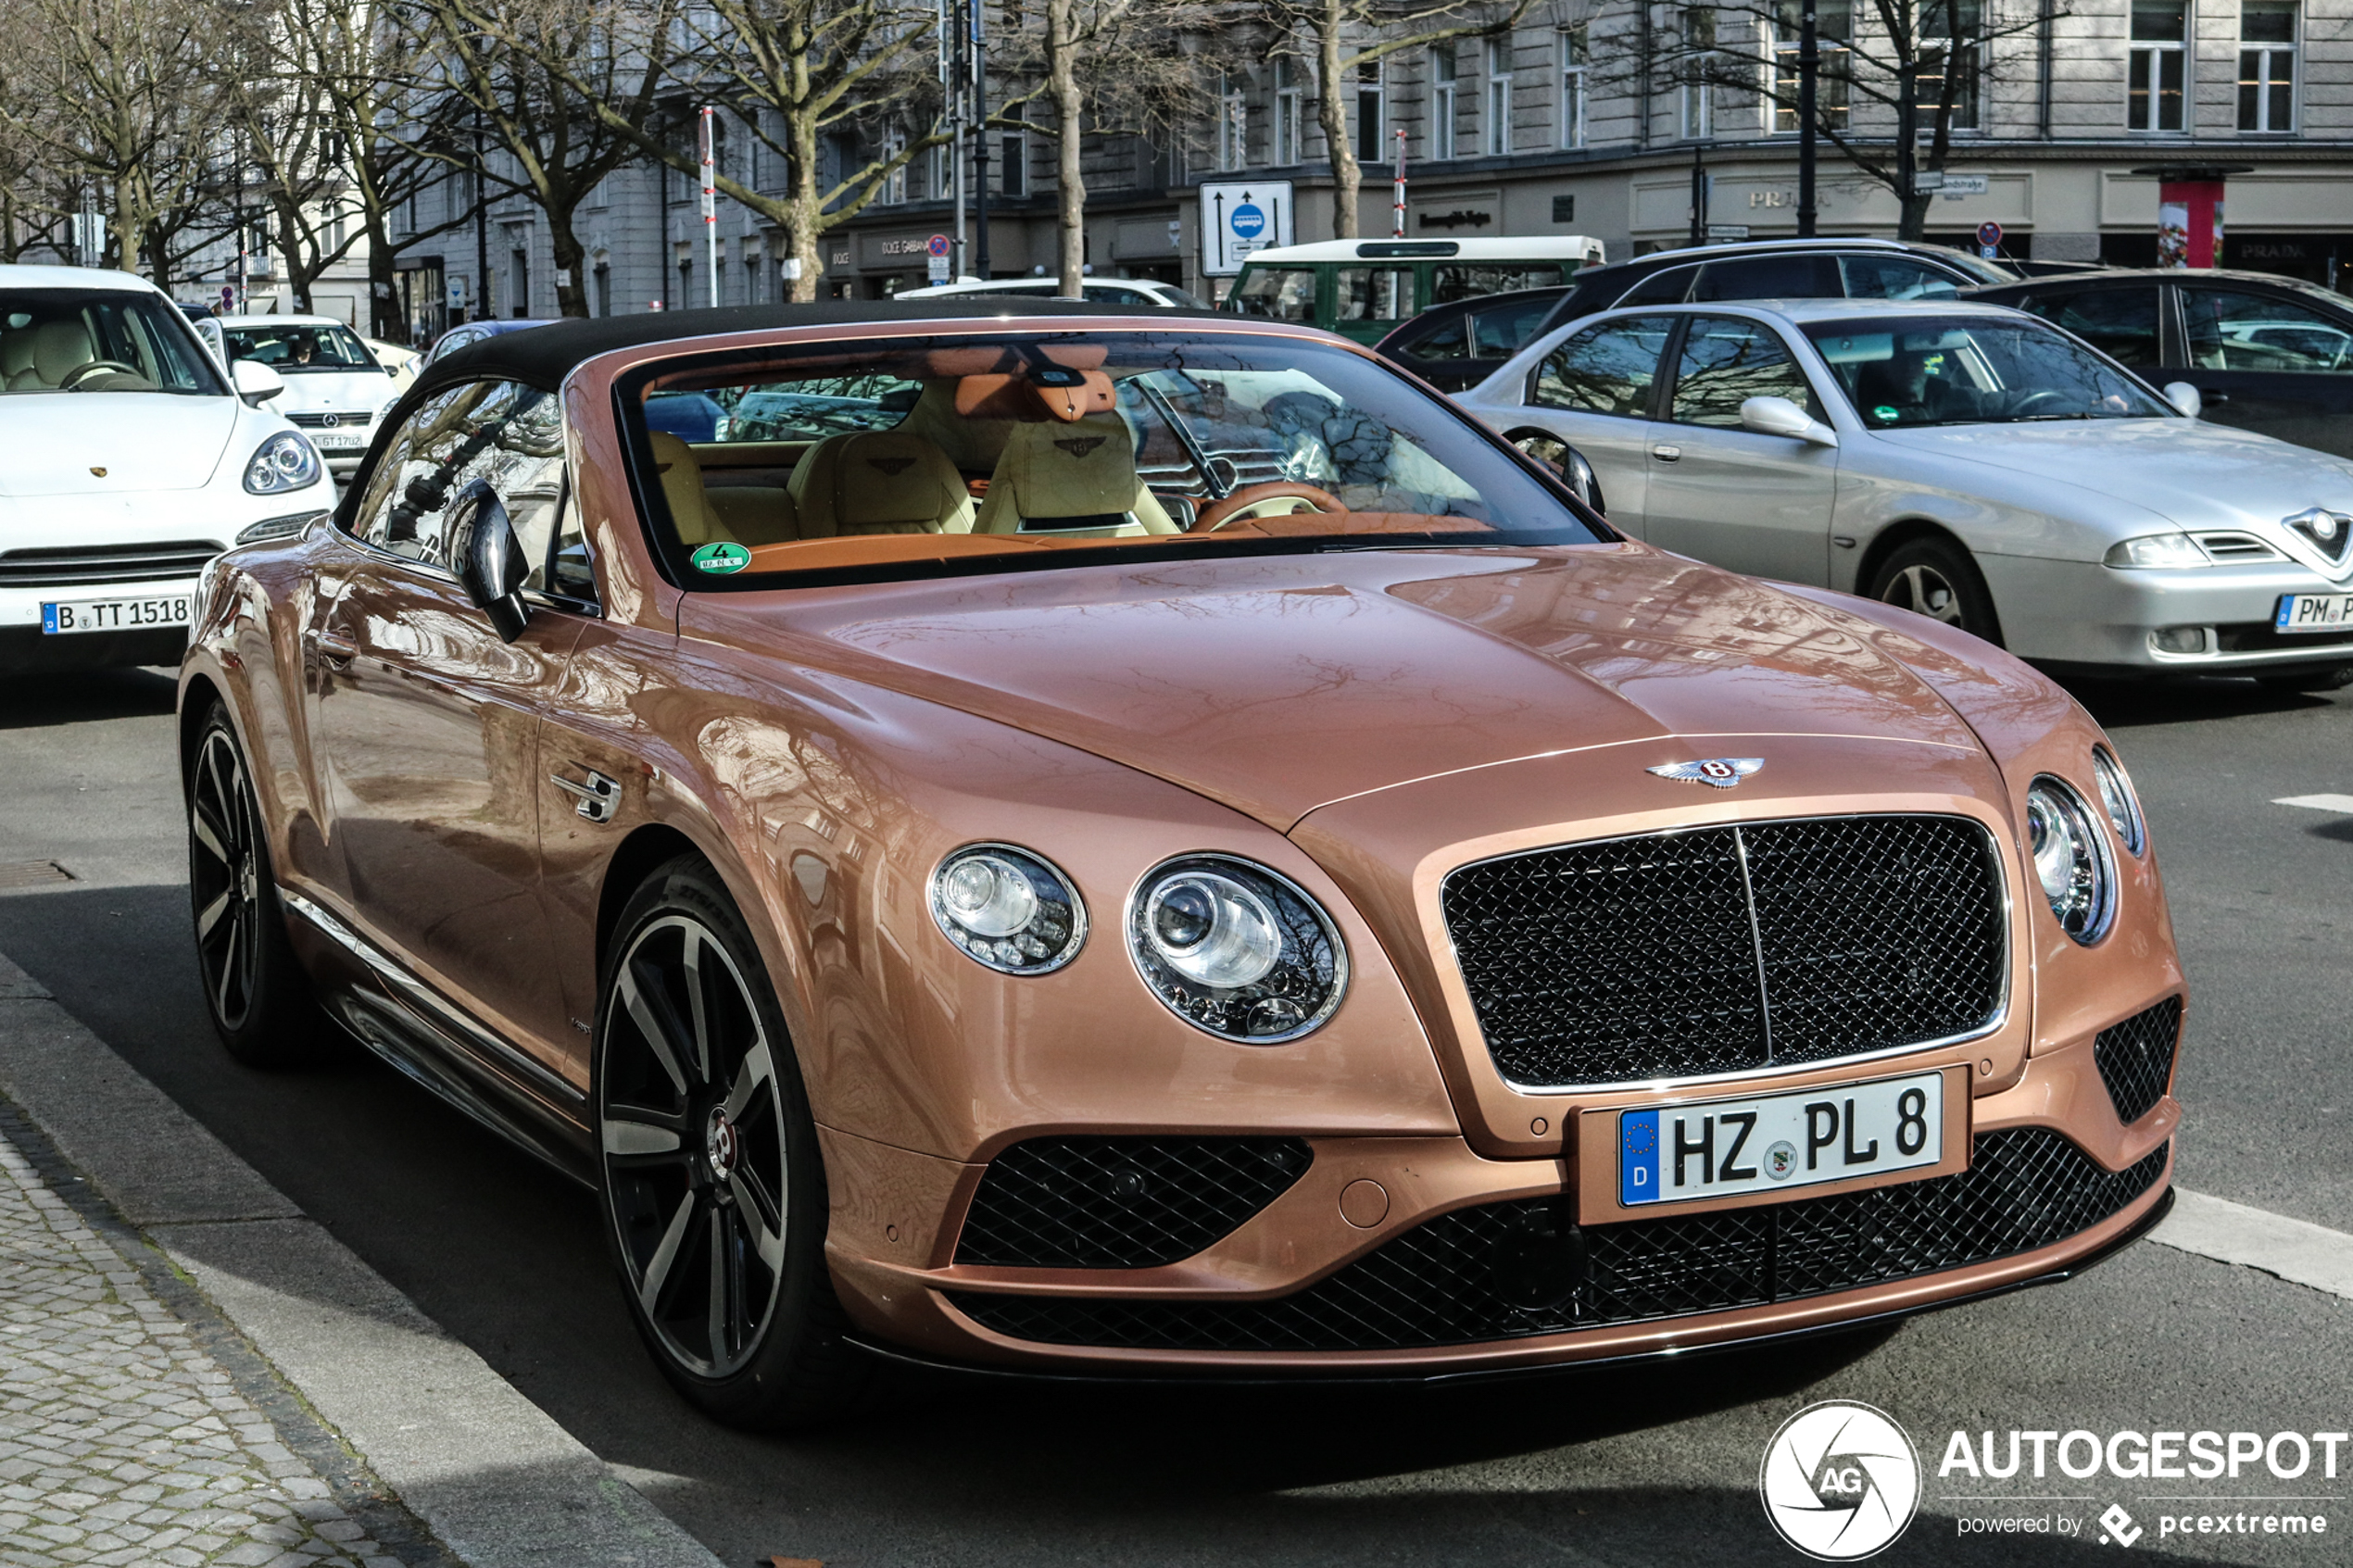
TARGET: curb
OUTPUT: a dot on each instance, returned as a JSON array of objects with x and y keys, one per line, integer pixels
[{"x": 441, "y": 1460}]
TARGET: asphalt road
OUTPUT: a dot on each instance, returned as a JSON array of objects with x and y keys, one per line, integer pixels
[{"x": 1649, "y": 1465}]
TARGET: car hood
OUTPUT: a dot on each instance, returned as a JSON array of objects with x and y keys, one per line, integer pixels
[
  {"x": 1276, "y": 686},
  {"x": 59, "y": 443},
  {"x": 2186, "y": 471}
]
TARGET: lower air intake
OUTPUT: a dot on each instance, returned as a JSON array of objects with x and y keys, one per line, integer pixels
[
  {"x": 1122, "y": 1203},
  {"x": 2136, "y": 1058}
]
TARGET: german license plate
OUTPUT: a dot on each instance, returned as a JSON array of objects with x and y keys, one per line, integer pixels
[
  {"x": 1719, "y": 1148},
  {"x": 339, "y": 441},
  {"x": 113, "y": 615},
  {"x": 2313, "y": 612}
]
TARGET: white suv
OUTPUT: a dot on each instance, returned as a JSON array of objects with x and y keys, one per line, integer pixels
[
  {"x": 128, "y": 460},
  {"x": 337, "y": 389}
]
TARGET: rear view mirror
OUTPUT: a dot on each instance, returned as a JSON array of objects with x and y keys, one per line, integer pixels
[
  {"x": 1567, "y": 463},
  {"x": 2185, "y": 398},
  {"x": 1779, "y": 416},
  {"x": 255, "y": 382},
  {"x": 489, "y": 557}
]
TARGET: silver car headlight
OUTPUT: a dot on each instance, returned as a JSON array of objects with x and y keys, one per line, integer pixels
[
  {"x": 1235, "y": 949},
  {"x": 1008, "y": 908},
  {"x": 2123, "y": 806},
  {"x": 283, "y": 462},
  {"x": 2071, "y": 859},
  {"x": 2157, "y": 550}
]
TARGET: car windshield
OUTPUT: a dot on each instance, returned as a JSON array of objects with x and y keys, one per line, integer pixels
[
  {"x": 299, "y": 348},
  {"x": 1902, "y": 371},
  {"x": 954, "y": 452},
  {"x": 99, "y": 340}
]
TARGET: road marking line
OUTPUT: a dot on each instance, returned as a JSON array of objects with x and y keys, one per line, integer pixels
[
  {"x": 2296, "y": 1251},
  {"x": 2319, "y": 802}
]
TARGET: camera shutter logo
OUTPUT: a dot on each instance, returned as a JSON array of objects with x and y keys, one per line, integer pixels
[{"x": 1840, "y": 1481}]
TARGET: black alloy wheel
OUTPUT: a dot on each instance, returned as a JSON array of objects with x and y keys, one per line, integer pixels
[
  {"x": 714, "y": 1191},
  {"x": 1936, "y": 578},
  {"x": 253, "y": 989}
]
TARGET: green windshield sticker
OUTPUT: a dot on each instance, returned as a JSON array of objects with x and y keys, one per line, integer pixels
[
  {"x": 722, "y": 558},
  {"x": 1885, "y": 411}
]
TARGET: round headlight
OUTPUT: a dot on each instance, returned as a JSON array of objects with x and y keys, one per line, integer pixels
[
  {"x": 2070, "y": 860},
  {"x": 1235, "y": 949},
  {"x": 1007, "y": 909},
  {"x": 283, "y": 462},
  {"x": 2115, "y": 795}
]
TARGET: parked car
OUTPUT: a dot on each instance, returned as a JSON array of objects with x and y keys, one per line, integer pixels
[
  {"x": 1969, "y": 463},
  {"x": 1363, "y": 288},
  {"x": 1456, "y": 347},
  {"x": 129, "y": 457},
  {"x": 1236, "y": 900},
  {"x": 334, "y": 386},
  {"x": 399, "y": 362},
  {"x": 689, "y": 416},
  {"x": 1815, "y": 268},
  {"x": 1095, "y": 290},
  {"x": 2266, "y": 353},
  {"x": 466, "y": 333}
]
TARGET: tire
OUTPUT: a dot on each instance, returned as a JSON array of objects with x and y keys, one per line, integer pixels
[
  {"x": 2311, "y": 680},
  {"x": 1935, "y": 577},
  {"x": 254, "y": 989},
  {"x": 708, "y": 1166}
]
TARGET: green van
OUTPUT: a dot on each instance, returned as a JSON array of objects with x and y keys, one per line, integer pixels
[{"x": 1361, "y": 288}]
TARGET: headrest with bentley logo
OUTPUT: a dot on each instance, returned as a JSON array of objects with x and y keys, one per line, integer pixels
[
  {"x": 1079, "y": 445},
  {"x": 1057, "y": 390},
  {"x": 894, "y": 467}
]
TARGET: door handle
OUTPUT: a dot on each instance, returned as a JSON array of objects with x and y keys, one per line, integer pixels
[
  {"x": 1667, "y": 453},
  {"x": 599, "y": 798},
  {"x": 333, "y": 646}
]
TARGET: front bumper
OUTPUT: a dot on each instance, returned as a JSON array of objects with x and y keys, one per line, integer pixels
[
  {"x": 24, "y": 648},
  {"x": 2082, "y": 613},
  {"x": 1316, "y": 1283}
]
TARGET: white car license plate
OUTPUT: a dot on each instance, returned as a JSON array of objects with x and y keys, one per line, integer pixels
[
  {"x": 2314, "y": 612},
  {"x": 338, "y": 441},
  {"x": 1719, "y": 1148},
  {"x": 114, "y": 615}
]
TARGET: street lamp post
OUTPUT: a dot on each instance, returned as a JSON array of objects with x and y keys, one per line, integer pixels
[{"x": 1809, "y": 69}]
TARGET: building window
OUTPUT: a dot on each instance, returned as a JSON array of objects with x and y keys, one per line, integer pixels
[
  {"x": 1568, "y": 45},
  {"x": 1442, "y": 102},
  {"x": 1372, "y": 115},
  {"x": 1832, "y": 21},
  {"x": 1698, "y": 93},
  {"x": 603, "y": 279},
  {"x": 1499, "y": 97},
  {"x": 1012, "y": 164},
  {"x": 895, "y": 183},
  {"x": 1964, "y": 22},
  {"x": 1289, "y": 97},
  {"x": 1233, "y": 125},
  {"x": 2157, "y": 85},
  {"x": 2267, "y": 65}
]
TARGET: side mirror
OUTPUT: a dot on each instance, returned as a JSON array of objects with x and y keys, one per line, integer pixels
[
  {"x": 489, "y": 557},
  {"x": 1568, "y": 464},
  {"x": 1779, "y": 416},
  {"x": 2185, "y": 398},
  {"x": 209, "y": 331},
  {"x": 255, "y": 382}
]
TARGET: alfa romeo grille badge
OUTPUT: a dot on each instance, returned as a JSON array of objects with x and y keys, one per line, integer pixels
[
  {"x": 1722, "y": 772},
  {"x": 2332, "y": 531}
]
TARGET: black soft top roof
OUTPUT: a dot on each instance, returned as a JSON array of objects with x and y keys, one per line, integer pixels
[{"x": 542, "y": 357}]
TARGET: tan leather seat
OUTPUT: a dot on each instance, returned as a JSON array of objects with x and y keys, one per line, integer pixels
[
  {"x": 690, "y": 509},
  {"x": 16, "y": 359},
  {"x": 1075, "y": 477},
  {"x": 59, "y": 348},
  {"x": 868, "y": 482},
  {"x": 755, "y": 514}
]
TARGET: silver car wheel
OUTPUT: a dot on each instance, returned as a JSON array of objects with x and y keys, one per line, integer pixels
[{"x": 1923, "y": 590}]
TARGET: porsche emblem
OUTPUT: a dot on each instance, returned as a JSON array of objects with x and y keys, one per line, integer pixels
[
  {"x": 1079, "y": 445},
  {"x": 893, "y": 467},
  {"x": 1722, "y": 772},
  {"x": 96, "y": 472}
]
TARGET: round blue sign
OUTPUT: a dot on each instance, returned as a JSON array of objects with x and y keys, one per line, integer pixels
[
  {"x": 1247, "y": 220},
  {"x": 1989, "y": 234}
]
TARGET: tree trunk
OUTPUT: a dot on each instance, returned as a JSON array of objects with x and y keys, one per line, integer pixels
[
  {"x": 571, "y": 258},
  {"x": 1061, "y": 75},
  {"x": 1348, "y": 176},
  {"x": 804, "y": 210}
]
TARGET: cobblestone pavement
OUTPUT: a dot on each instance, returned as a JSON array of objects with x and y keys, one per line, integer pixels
[{"x": 122, "y": 1440}]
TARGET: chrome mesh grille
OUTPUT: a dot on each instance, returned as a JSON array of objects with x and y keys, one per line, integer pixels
[
  {"x": 1438, "y": 1284},
  {"x": 2135, "y": 1058},
  {"x": 1730, "y": 949}
]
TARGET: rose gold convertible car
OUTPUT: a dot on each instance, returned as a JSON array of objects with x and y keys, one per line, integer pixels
[{"x": 1116, "y": 847}]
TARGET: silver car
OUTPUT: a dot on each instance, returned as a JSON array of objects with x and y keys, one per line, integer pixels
[{"x": 1966, "y": 462}]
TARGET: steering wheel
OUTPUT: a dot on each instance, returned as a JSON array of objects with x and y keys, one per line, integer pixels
[
  {"x": 80, "y": 372},
  {"x": 2028, "y": 402},
  {"x": 1264, "y": 500}
]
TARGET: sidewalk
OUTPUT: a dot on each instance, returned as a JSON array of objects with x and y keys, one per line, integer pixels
[{"x": 122, "y": 1440}]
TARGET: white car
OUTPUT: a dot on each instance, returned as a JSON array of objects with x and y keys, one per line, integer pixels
[
  {"x": 1147, "y": 292},
  {"x": 335, "y": 388},
  {"x": 129, "y": 457},
  {"x": 1966, "y": 462}
]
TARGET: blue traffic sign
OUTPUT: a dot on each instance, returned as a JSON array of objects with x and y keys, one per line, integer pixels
[
  {"x": 1247, "y": 220},
  {"x": 1989, "y": 232}
]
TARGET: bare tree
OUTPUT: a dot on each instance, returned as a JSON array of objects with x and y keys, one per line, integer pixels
[{"x": 1346, "y": 35}]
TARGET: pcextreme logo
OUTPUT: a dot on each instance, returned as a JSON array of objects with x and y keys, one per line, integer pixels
[{"x": 1840, "y": 1481}]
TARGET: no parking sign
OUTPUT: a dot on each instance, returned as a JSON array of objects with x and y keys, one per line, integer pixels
[{"x": 1989, "y": 239}]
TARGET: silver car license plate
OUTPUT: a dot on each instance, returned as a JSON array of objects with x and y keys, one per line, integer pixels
[
  {"x": 2313, "y": 612},
  {"x": 1719, "y": 1148},
  {"x": 113, "y": 615}
]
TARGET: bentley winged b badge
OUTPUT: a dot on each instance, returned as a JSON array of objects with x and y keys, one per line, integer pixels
[{"x": 1722, "y": 772}]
